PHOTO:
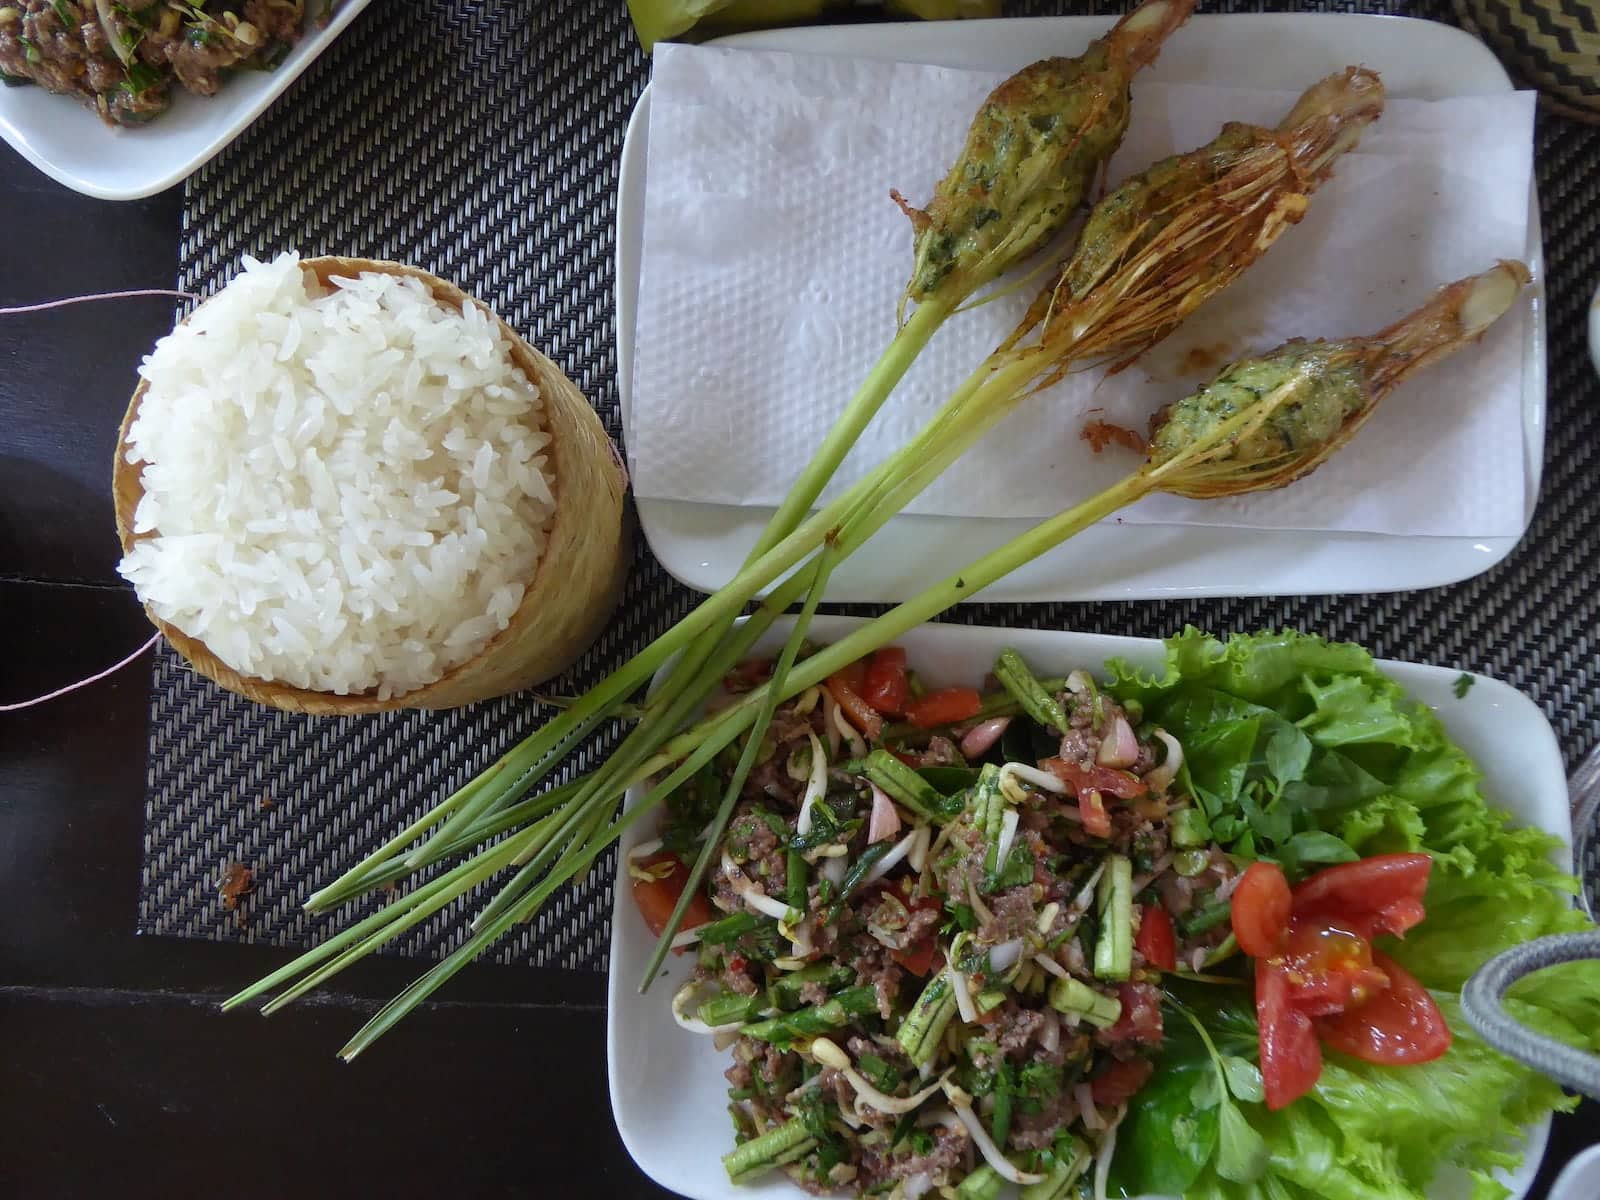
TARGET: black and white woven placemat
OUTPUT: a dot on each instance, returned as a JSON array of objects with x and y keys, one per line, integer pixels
[{"x": 480, "y": 140}]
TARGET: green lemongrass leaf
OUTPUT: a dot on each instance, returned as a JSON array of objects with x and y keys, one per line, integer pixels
[
  {"x": 420, "y": 989},
  {"x": 331, "y": 894},
  {"x": 491, "y": 824},
  {"x": 533, "y": 855},
  {"x": 478, "y": 870},
  {"x": 383, "y": 917},
  {"x": 511, "y": 777}
]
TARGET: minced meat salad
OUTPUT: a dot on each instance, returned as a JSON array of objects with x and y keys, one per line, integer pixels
[
  {"x": 123, "y": 56},
  {"x": 935, "y": 928}
]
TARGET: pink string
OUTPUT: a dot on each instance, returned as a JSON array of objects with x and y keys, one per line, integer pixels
[
  {"x": 30, "y": 308},
  {"x": 18, "y": 310},
  {"x": 82, "y": 683}
]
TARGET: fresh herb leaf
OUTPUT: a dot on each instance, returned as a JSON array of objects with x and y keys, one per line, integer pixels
[
  {"x": 1241, "y": 1151},
  {"x": 962, "y": 917},
  {"x": 1244, "y": 1078},
  {"x": 949, "y": 780},
  {"x": 1018, "y": 869},
  {"x": 1288, "y": 755},
  {"x": 1167, "y": 1138},
  {"x": 1462, "y": 685},
  {"x": 1313, "y": 848}
]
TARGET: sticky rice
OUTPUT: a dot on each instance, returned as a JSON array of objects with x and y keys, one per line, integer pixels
[{"x": 345, "y": 489}]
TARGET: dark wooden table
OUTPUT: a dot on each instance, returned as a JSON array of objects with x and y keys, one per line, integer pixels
[{"x": 120, "y": 1075}]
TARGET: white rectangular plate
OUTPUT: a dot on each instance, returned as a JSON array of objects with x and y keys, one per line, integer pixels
[
  {"x": 71, "y": 144},
  {"x": 667, "y": 1090},
  {"x": 703, "y": 545}
]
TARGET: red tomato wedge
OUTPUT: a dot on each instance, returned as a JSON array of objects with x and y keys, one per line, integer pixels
[
  {"x": 887, "y": 688},
  {"x": 1100, "y": 779},
  {"x": 944, "y": 707},
  {"x": 845, "y": 688},
  {"x": 1260, "y": 910},
  {"x": 1092, "y": 811},
  {"x": 657, "y": 898},
  {"x": 1291, "y": 1060},
  {"x": 919, "y": 958},
  {"x": 1382, "y": 894},
  {"x": 1118, "y": 1083},
  {"x": 1400, "y": 1025},
  {"x": 1155, "y": 939},
  {"x": 1330, "y": 968}
]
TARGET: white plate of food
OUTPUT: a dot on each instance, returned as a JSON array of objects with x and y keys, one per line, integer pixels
[
  {"x": 66, "y": 136},
  {"x": 668, "y": 1091},
  {"x": 703, "y": 544}
]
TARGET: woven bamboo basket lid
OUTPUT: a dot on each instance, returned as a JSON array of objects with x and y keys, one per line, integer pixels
[
  {"x": 575, "y": 586},
  {"x": 1552, "y": 45}
]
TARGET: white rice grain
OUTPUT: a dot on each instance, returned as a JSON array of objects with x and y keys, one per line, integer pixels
[{"x": 347, "y": 488}]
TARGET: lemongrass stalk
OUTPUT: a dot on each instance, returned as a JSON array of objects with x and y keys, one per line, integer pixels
[
  {"x": 424, "y": 986},
  {"x": 480, "y": 872},
  {"x": 688, "y": 692},
  {"x": 376, "y": 871},
  {"x": 1031, "y": 153},
  {"x": 529, "y": 761},
  {"x": 326, "y": 949}
]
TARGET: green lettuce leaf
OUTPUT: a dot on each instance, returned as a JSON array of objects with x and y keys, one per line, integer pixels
[
  {"x": 1367, "y": 1132},
  {"x": 1380, "y": 776}
]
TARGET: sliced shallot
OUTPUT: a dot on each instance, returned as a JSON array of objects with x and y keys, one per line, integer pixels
[
  {"x": 885, "y": 820},
  {"x": 977, "y": 741},
  {"x": 834, "y": 870},
  {"x": 1119, "y": 748},
  {"x": 964, "y": 1005},
  {"x": 1008, "y": 835},
  {"x": 1051, "y": 965},
  {"x": 1006, "y": 955}
]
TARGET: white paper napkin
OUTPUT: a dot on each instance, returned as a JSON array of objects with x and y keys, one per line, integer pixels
[{"x": 773, "y": 259}]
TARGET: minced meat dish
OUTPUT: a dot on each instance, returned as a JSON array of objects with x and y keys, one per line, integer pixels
[
  {"x": 934, "y": 931},
  {"x": 122, "y": 57}
]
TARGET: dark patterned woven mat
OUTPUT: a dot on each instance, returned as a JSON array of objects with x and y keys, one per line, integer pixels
[{"x": 480, "y": 140}]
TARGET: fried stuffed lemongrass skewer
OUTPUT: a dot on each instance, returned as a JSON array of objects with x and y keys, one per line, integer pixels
[
  {"x": 1150, "y": 253},
  {"x": 1034, "y": 148},
  {"x": 1261, "y": 423}
]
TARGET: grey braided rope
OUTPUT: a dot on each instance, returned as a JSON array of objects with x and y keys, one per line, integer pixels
[{"x": 1482, "y": 998}]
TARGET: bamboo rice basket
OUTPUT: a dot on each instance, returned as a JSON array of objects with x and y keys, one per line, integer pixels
[{"x": 575, "y": 586}]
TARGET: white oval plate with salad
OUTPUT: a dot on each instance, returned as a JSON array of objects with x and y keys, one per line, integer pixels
[
  {"x": 703, "y": 545},
  {"x": 668, "y": 1093},
  {"x": 72, "y": 145}
]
